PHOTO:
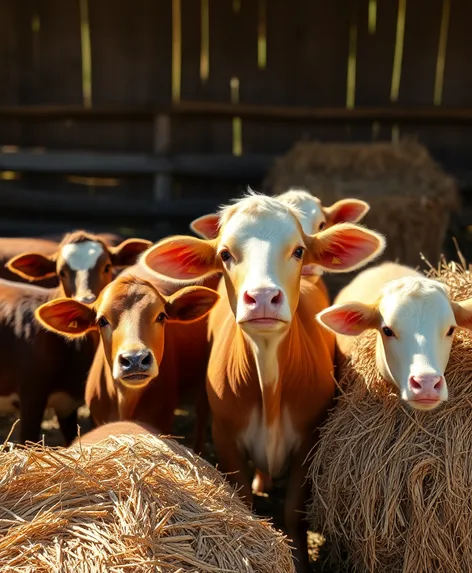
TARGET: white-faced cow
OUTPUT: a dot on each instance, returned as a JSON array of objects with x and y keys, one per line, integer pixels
[
  {"x": 270, "y": 375},
  {"x": 415, "y": 322}
]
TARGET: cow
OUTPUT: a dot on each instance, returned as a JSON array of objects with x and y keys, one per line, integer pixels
[
  {"x": 121, "y": 428},
  {"x": 270, "y": 374},
  {"x": 193, "y": 337},
  {"x": 43, "y": 369},
  {"x": 134, "y": 375},
  {"x": 415, "y": 322},
  {"x": 10, "y": 247}
]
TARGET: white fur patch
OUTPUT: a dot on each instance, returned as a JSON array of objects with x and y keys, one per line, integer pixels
[
  {"x": 269, "y": 447},
  {"x": 82, "y": 256}
]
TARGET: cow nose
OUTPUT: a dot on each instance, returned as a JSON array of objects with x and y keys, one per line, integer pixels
[
  {"x": 130, "y": 361},
  {"x": 263, "y": 297},
  {"x": 87, "y": 299},
  {"x": 426, "y": 386}
]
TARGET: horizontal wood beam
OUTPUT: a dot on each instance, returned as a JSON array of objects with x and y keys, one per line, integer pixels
[
  {"x": 198, "y": 110},
  {"x": 99, "y": 209},
  {"x": 213, "y": 166}
]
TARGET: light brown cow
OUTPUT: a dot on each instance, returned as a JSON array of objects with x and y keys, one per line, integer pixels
[
  {"x": 270, "y": 376},
  {"x": 131, "y": 318},
  {"x": 40, "y": 368}
]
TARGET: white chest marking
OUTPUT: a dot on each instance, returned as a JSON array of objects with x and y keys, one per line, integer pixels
[
  {"x": 82, "y": 256},
  {"x": 269, "y": 447}
]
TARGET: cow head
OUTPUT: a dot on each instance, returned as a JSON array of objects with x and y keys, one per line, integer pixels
[
  {"x": 415, "y": 321},
  {"x": 83, "y": 263},
  {"x": 130, "y": 316},
  {"x": 260, "y": 249}
]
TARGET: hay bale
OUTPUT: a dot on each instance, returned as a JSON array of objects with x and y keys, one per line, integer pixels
[
  {"x": 392, "y": 486},
  {"x": 129, "y": 503},
  {"x": 411, "y": 198}
]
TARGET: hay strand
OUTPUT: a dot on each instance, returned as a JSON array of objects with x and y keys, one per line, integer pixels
[
  {"x": 392, "y": 486},
  {"x": 129, "y": 503}
]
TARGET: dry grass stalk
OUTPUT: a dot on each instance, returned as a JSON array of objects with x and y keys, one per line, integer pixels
[
  {"x": 392, "y": 486},
  {"x": 411, "y": 198},
  {"x": 130, "y": 503}
]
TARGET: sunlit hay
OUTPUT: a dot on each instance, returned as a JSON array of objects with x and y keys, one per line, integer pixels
[
  {"x": 130, "y": 503},
  {"x": 392, "y": 486},
  {"x": 411, "y": 198}
]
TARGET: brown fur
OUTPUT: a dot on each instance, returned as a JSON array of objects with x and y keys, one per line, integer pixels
[{"x": 41, "y": 367}]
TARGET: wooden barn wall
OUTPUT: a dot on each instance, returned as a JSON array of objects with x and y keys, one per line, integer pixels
[{"x": 152, "y": 52}]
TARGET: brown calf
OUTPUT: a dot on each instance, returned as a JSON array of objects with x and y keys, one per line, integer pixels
[
  {"x": 40, "y": 368},
  {"x": 193, "y": 337},
  {"x": 133, "y": 377}
]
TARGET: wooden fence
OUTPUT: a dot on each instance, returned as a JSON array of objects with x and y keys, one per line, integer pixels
[{"x": 127, "y": 115}]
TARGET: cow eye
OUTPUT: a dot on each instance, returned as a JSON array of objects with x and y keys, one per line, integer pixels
[
  {"x": 388, "y": 331},
  {"x": 298, "y": 253},
  {"x": 107, "y": 268},
  {"x": 161, "y": 317},
  {"x": 102, "y": 322},
  {"x": 225, "y": 255},
  {"x": 321, "y": 225},
  {"x": 450, "y": 332},
  {"x": 62, "y": 274}
]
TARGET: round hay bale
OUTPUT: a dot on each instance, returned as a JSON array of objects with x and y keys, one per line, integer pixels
[
  {"x": 411, "y": 198},
  {"x": 392, "y": 486},
  {"x": 129, "y": 503}
]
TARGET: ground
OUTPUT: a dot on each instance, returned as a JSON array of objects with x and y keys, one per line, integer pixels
[{"x": 271, "y": 505}]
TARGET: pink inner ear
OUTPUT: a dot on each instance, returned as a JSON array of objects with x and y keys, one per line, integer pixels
[
  {"x": 347, "y": 320},
  {"x": 348, "y": 248},
  {"x": 206, "y": 226},
  {"x": 348, "y": 213},
  {"x": 179, "y": 261}
]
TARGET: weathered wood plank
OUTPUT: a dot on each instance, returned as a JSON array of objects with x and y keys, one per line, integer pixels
[{"x": 224, "y": 166}]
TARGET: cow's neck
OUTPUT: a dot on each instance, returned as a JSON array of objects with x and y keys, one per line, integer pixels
[{"x": 128, "y": 399}]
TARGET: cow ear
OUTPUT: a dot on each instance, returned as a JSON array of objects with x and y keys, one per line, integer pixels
[
  {"x": 344, "y": 247},
  {"x": 182, "y": 258},
  {"x": 67, "y": 317},
  {"x": 463, "y": 313},
  {"x": 350, "y": 319},
  {"x": 191, "y": 303},
  {"x": 33, "y": 266},
  {"x": 207, "y": 226},
  {"x": 346, "y": 211},
  {"x": 126, "y": 253}
]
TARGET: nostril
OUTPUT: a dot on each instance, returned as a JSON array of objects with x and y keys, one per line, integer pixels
[
  {"x": 147, "y": 359},
  {"x": 438, "y": 384},
  {"x": 277, "y": 299},
  {"x": 248, "y": 299},
  {"x": 415, "y": 384},
  {"x": 124, "y": 361}
]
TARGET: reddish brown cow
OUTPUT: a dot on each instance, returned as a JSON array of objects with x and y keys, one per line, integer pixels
[
  {"x": 193, "y": 337},
  {"x": 131, "y": 315},
  {"x": 270, "y": 374},
  {"x": 40, "y": 368}
]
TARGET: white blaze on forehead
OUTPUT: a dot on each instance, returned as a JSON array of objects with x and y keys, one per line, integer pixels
[{"x": 82, "y": 256}]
